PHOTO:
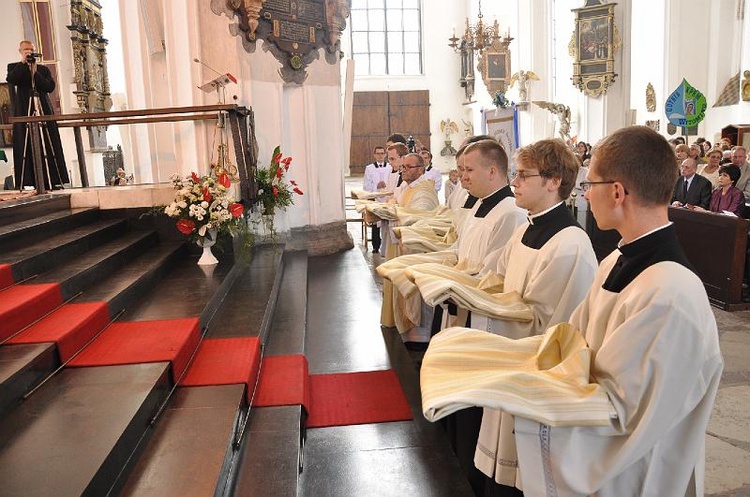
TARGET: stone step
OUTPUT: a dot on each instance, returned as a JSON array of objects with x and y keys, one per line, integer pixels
[
  {"x": 25, "y": 232},
  {"x": 22, "y": 209},
  {"x": 44, "y": 255},
  {"x": 22, "y": 367},
  {"x": 76, "y": 434}
]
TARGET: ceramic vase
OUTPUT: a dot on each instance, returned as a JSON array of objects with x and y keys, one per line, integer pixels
[{"x": 206, "y": 242}]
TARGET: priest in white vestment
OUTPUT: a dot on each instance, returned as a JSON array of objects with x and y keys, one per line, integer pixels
[
  {"x": 550, "y": 263},
  {"x": 656, "y": 349}
]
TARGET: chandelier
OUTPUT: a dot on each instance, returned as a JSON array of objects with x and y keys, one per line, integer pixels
[{"x": 477, "y": 37}]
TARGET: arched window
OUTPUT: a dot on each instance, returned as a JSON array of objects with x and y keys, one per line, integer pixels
[{"x": 386, "y": 37}]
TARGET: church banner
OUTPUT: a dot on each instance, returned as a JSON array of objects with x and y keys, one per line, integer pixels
[
  {"x": 686, "y": 106},
  {"x": 502, "y": 124}
]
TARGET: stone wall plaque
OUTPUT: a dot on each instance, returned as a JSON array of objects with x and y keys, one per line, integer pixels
[{"x": 293, "y": 30}]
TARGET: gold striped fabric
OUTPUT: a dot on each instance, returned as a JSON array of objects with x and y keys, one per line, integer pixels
[
  {"x": 544, "y": 378},
  {"x": 365, "y": 195},
  {"x": 481, "y": 296},
  {"x": 393, "y": 270}
]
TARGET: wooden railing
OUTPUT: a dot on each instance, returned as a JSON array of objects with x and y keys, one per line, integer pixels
[
  {"x": 241, "y": 122},
  {"x": 715, "y": 244}
]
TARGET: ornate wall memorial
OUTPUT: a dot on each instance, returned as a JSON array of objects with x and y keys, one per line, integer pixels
[{"x": 293, "y": 30}]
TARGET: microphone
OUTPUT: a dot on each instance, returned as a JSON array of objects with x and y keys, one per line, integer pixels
[{"x": 206, "y": 65}]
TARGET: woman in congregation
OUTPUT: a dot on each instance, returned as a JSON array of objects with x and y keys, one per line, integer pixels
[
  {"x": 710, "y": 171},
  {"x": 682, "y": 152},
  {"x": 727, "y": 197},
  {"x": 697, "y": 153}
]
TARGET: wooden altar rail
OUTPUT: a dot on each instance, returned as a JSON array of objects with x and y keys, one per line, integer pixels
[
  {"x": 715, "y": 244},
  {"x": 241, "y": 121}
]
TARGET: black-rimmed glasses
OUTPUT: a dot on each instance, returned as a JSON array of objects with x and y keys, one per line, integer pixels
[
  {"x": 522, "y": 175},
  {"x": 586, "y": 185}
]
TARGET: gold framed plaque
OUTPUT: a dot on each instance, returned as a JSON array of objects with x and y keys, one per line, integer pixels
[{"x": 593, "y": 46}]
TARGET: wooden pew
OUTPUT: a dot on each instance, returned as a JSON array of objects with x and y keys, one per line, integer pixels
[{"x": 715, "y": 245}]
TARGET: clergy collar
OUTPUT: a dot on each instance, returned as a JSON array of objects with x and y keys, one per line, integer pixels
[
  {"x": 489, "y": 202},
  {"x": 533, "y": 217},
  {"x": 659, "y": 245},
  {"x": 470, "y": 201},
  {"x": 543, "y": 226},
  {"x": 379, "y": 165}
]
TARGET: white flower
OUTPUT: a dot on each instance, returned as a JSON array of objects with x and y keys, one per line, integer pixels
[{"x": 204, "y": 204}]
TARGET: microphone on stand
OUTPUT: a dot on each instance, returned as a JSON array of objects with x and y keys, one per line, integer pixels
[
  {"x": 206, "y": 65},
  {"x": 231, "y": 78}
]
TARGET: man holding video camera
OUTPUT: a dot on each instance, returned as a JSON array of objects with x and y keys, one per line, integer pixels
[{"x": 30, "y": 86}]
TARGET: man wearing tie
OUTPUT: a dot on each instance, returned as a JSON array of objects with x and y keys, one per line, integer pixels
[
  {"x": 691, "y": 189},
  {"x": 376, "y": 176}
]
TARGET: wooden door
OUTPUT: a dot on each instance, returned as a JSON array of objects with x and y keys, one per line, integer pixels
[{"x": 377, "y": 114}]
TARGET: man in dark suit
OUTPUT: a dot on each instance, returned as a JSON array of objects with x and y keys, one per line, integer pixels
[
  {"x": 27, "y": 77},
  {"x": 691, "y": 189}
]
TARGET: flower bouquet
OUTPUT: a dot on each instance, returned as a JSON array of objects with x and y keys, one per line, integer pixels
[
  {"x": 273, "y": 191},
  {"x": 204, "y": 208}
]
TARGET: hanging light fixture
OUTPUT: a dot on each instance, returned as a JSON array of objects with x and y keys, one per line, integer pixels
[{"x": 476, "y": 37}]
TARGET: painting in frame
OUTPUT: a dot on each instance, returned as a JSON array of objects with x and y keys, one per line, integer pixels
[{"x": 593, "y": 46}]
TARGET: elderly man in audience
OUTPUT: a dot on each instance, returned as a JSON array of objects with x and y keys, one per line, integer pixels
[{"x": 691, "y": 190}]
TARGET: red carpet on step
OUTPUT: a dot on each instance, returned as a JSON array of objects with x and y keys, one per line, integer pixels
[
  {"x": 21, "y": 305},
  {"x": 144, "y": 341},
  {"x": 6, "y": 275},
  {"x": 284, "y": 381},
  {"x": 71, "y": 326},
  {"x": 225, "y": 361},
  {"x": 356, "y": 398}
]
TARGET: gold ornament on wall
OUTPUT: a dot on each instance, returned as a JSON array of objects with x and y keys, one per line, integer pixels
[
  {"x": 746, "y": 86},
  {"x": 650, "y": 98},
  {"x": 593, "y": 46}
]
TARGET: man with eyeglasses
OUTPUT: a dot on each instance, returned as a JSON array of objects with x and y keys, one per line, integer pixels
[
  {"x": 550, "y": 263},
  {"x": 653, "y": 338}
]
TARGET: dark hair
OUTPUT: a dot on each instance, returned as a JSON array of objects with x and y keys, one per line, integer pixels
[
  {"x": 642, "y": 160},
  {"x": 493, "y": 154},
  {"x": 379, "y": 147},
  {"x": 396, "y": 138},
  {"x": 400, "y": 149},
  {"x": 554, "y": 159},
  {"x": 732, "y": 171},
  {"x": 426, "y": 150}
]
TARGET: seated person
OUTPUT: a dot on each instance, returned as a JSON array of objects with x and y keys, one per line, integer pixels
[
  {"x": 727, "y": 197},
  {"x": 691, "y": 189}
]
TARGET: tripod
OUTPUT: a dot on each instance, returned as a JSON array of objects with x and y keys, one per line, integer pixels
[{"x": 37, "y": 133}]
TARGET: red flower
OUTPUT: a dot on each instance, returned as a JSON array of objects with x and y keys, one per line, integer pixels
[
  {"x": 286, "y": 163},
  {"x": 186, "y": 226},
  {"x": 275, "y": 191},
  {"x": 236, "y": 209},
  {"x": 279, "y": 172},
  {"x": 276, "y": 158},
  {"x": 294, "y": 183},
  {"x": 206, "y": 195},
  {"x": 297, "y": 191},
  {"x": 195, "y": 177},
  {"x": 224, "y": 180}
]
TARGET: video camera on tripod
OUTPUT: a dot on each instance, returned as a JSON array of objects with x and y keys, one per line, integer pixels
[{"x": 31, "y": 58}]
